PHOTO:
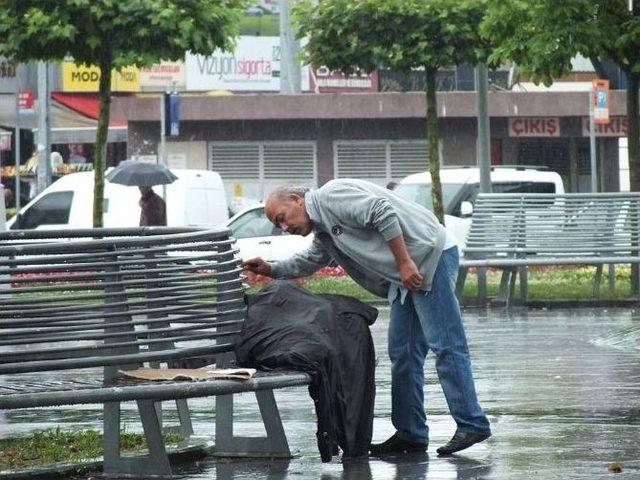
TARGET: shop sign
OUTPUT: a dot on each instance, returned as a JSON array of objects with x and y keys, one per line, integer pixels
[
  {"x": 254, "y": 65},
  {"x": 5, "y": 141},
  {"x": 323, "y": 80},
  {"x": 163, "y": 76},
  {"x": 26, "y": 101},
  {"x": 83, "y": 78},
  {"x": 534, "y": 127},
  {"x": 151, "y": 158},
  {"x": 177, "y": 160},
  {"x": 8, "y": 82},
  {"x": 617, "y": 127}
]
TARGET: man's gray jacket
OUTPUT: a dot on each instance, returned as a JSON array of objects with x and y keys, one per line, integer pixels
[{"x": 353, "y": 221}]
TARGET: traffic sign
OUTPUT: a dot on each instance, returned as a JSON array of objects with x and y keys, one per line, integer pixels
[{"x": 601, "y": 101}]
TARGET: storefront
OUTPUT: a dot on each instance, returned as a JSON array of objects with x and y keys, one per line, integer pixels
[
  {"x": 256, "y": 141},
  {"x": 72, "y": 138}
]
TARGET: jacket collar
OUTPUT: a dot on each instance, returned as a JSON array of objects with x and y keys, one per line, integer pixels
[{"x": 312, "y": 209}]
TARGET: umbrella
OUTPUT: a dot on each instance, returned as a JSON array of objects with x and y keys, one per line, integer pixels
[{"x": 140, "y": 174}]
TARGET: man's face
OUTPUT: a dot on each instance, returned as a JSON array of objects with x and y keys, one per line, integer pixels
[{"x": 289, "y": 214}]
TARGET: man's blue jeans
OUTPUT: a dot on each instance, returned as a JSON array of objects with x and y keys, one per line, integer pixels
[{"x": 432, "y": 321}]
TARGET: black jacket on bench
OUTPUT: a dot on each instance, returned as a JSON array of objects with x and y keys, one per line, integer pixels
[{"x": 328, "y": 337}]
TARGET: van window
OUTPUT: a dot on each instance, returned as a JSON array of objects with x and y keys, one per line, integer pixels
[
  {"x": 524, "y": 187},
  {"x": 421, "y": 193},
  {"x": 51, "y": 209},
  {"x": 254, "y": 223},
  {"x": 507, "y": 187}
]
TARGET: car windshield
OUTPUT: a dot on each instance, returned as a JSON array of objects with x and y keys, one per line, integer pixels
[{"x": 421, "y": 193}]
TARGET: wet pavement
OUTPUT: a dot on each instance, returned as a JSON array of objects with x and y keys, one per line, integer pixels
[{"x": 561, "y": 389}]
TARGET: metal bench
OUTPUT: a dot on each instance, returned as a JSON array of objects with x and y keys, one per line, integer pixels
[
  {"x": 83, "y": 305},
  {"x": 515, "y": 231}
]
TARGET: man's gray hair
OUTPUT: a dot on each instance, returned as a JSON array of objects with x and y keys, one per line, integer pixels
[{"x": 283, "y": 191}]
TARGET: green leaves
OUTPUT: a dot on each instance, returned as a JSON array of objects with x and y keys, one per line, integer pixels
[
  {"x": 401, "y": 34},
  {"x": 542, "y": 36},
  {"x": 143, "y": 30},
  {"x": 114, "y": 34}
]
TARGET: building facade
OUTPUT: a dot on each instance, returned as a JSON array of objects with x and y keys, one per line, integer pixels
[{"x": 258, "y": 141}]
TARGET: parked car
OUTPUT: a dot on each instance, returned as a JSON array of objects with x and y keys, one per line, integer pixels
[
  {"x": 461, "y": 185},
  {"x": 196, "y": 198},
  {"x": 258, "y": 237}
]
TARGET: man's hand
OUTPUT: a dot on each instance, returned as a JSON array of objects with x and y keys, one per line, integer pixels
[
  {"x": 257, "y": 266},
  {"x": 410, "y": 275}
]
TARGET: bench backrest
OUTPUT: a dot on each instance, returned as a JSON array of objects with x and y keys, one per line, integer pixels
[
  {"x": 521, "y": 225},
  {"x": 116, "y": 297}
]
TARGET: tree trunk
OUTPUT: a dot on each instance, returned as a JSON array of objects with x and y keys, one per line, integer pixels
[
  {"x": 101, "y": 142},
  {"x": 432, "y": 139},
  {"x": 633, "y": 135}
]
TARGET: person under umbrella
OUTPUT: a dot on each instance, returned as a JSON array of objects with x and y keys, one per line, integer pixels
[{"x": 153, "y": 211}]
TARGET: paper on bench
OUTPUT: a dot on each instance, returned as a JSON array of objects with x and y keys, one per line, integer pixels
[{"x": 193, "y": 374}]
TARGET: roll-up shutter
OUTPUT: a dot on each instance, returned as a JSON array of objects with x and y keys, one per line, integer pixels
[
  {"x": 367, "y": 160},
  {"x": 295, "y": 161},
  {"x": 235, "y": 160},
  {"x": 379, "y": 161},
  {"x": 252, "y": 169},
  {"x": 407, "y": 158}
]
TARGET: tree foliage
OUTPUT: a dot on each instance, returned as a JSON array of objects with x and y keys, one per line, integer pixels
[
  {"x": 351, "y": 35},
  {"x": 542, "y": 36},
  {"x": 399, "y": 34},
  {"x": 113, "y": 34}
]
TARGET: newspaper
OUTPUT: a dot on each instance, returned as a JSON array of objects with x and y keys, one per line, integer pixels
[{"x": 192, "y": 374}]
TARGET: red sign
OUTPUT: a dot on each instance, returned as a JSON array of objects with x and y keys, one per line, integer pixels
[
  {"x": 617, "y": 127},
  {"x": 534, "y": 127},
  {"x": 26, "y": 101},
  {"x": 323, "y": 80}
]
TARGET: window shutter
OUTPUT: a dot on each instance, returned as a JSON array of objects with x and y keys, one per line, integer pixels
[
  {"x": 408, "y": 158},
  {"x": 365, "y": 160},
  {"x": 289, "y": 161},
  {"x": 380, "y": 161},
  {"x": 235, "y": 160}
]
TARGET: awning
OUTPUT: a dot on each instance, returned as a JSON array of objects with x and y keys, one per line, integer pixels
[
  {"x": 67, "y": 125},
  {"x": 85, "y": 104}
]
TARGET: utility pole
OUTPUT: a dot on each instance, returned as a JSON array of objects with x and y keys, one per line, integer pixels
[
  {"x": 483, "y": 142},
  {"x": 18, "y": 153},
  {"x": 593, "y": 159},
  {"x": 289, "y": 48},
  {"x": 163, "y": 127},
  {"x": 483, "y": 153},
  {"x": 44, "y": 139}
]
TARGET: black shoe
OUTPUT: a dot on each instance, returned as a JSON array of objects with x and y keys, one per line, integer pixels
[
  {"x": 396, "y": 446},
  {"x": 460, "y": 441}
]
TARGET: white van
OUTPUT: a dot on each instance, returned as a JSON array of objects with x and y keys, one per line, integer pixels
[
  {"x": 196, "y": 198},
  {"x": 461, "y": 185}
]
